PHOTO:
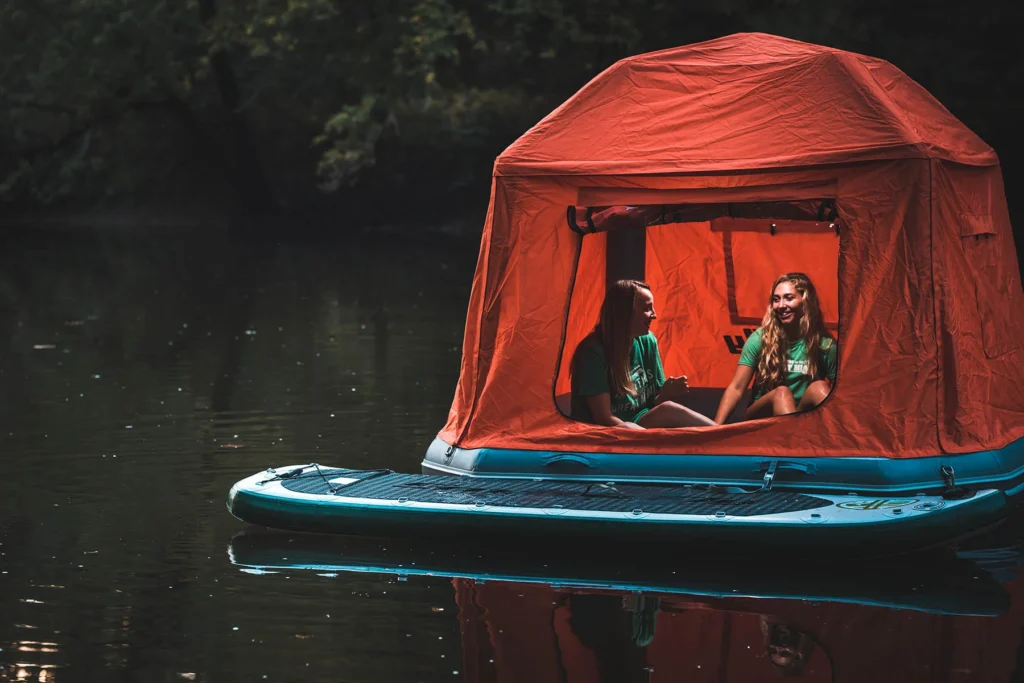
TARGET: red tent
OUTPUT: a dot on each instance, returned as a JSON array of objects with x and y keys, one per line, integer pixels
[{"x": 743, "y": 147}]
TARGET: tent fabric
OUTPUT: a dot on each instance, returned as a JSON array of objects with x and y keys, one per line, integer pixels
[
  {"x": 921, "y": 283},
  {"x": 749, "y": 101}
]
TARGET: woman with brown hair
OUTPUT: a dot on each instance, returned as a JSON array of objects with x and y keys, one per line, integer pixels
[
  {"x": 616, "y": 373},
  {"x": 791, "y": 357}
]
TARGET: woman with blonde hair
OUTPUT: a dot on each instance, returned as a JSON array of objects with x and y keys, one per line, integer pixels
[
  {"x": 616, "y": 373},
  {"x": 791, "y": 357}
]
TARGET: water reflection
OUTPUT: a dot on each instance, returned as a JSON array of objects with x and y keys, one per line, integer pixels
[
  {"x": 543, "y": 635},
  {"x": 572, "y": 616},
  {"x": 140, "y": 378},
  {"x": 938, "y": 583}
]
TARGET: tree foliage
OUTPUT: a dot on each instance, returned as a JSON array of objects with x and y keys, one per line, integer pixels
[{"x": 287, "y": 101}]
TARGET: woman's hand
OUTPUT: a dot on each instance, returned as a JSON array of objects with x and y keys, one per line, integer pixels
[{"x": 673, "y": 388}]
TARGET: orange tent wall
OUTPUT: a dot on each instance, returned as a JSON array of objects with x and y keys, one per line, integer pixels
[
  {"x": 887, "y": 397},
  {"x": 759, "y": 257},
  {"x": 979, "y": 309},
  {"x": 687, "y": 272},
  {"x": 931, "y": 338},
  {"x": 585, "y": 304}
]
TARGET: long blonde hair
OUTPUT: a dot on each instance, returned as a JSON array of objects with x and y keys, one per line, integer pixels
[
  {"x": 772, "y": 365},
  {"x": 614, "y": 331}
]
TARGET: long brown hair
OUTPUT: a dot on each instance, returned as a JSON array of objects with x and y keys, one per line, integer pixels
[
  {"x": 614, "y": 332},
  {"x": 771, "y": 366}
]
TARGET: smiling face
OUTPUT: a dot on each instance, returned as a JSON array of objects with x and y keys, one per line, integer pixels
[
  {"x": 787, "y": 303},
  {"x": 643, "y": 313}
]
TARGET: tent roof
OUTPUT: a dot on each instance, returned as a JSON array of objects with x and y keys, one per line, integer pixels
[{"x": 742, "y": 102}]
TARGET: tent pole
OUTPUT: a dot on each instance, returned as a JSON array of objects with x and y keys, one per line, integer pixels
[{"x": 625, "y": 257}]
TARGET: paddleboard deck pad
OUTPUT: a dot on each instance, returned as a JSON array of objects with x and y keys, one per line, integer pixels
[{"x": 381, "y": 502}]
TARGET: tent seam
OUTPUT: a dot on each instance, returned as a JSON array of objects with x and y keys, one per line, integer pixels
[
  {"x": 725, "y": 169},
  {"x": 939, "y": 374}
]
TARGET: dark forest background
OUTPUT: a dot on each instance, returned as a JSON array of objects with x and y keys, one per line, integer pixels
[{"x": 367, "y": 113}]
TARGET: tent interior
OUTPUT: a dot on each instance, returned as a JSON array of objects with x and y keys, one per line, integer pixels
[{"x": 710, "y": 268}]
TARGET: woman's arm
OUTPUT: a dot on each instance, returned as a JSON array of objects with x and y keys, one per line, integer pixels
[
  {"x": 601, "y": 410},
  {"x": 734, "y": 392}
]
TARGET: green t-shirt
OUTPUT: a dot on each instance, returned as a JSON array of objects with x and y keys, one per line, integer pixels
[
  {"x": 797, "y": 378},
  {"x": 590, "y": 378}
]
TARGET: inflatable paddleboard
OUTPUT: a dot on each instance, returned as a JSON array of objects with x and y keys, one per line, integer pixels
[{"x": 381, "y": 502}]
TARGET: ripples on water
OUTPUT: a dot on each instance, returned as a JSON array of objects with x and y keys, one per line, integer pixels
[{"x": 141, "y": 378}]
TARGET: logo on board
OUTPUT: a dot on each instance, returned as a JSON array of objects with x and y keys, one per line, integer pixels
[{"x": 876, "y": 503}]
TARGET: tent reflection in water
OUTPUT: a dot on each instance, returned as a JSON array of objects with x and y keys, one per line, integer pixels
[
  {"x": 707, "y": 171},
  {"x": 538, "y": 633}
]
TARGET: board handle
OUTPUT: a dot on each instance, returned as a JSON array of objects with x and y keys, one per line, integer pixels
[{"x": 567, "y": 461}]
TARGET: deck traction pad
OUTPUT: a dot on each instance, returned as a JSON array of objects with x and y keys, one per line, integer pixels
[{"x": 532, "y": 493}]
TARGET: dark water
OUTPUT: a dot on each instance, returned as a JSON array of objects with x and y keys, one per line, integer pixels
[{"x": 141, "y": 378}]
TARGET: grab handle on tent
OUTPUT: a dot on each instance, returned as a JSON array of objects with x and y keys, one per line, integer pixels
[
  {"x": 570, "y": 218},
  {"x": 567, "y": 461}
]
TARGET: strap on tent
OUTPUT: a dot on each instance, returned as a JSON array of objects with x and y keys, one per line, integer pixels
[{"x": 570, "y": 217}]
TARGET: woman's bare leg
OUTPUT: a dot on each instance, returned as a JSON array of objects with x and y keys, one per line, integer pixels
[
  {"x": 815, "y": 394},
  {"x": 778, "y": 401},
  {"x": 671, "y": 414}
]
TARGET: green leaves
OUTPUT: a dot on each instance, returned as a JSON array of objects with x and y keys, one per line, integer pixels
[
  {"x": 68, "y": 74},
  {"x": 368, "y": 97},
  {"x": 353, "y": 133}
]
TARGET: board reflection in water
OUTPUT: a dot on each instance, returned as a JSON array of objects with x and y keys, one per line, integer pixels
[{"x": 581, "y": 618}]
